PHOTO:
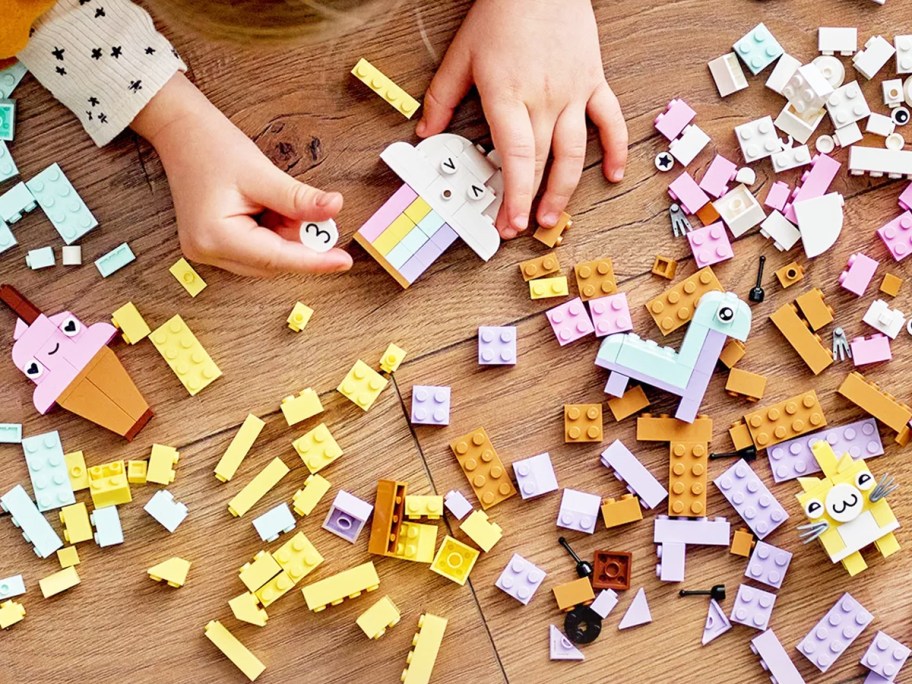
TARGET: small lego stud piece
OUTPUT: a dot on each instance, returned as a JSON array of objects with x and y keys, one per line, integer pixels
[
  {"x": 582, "y": 625},
  {"x": 717, "y": 592},
  {"x": 757, "y": 294},
  {"x": 841, "y": 348},
  {"x": 747, "y": 453},
  {"x": 583, "y": 568}
]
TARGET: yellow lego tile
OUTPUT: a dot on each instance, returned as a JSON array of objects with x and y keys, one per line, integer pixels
[
  {"x": 161, "y": 464},
  {"x": 298, "y": 557},
  {"x": 275, "y": 589},
  {"x": 259, "y": 571},
  {"x": 454, "y": 560},
  {"x": 302, "y": 406},
  {"x": 393, "y": 234},
  {"x": 76, "y": 525},
  {"x": 131, "y": 324},
  {"x": 237, "y": 451},
  {"x": 317, "y": 448},
  {"x": 258, "y": 487},
  {"x": 374, "y": 79},
  {"x": 423, "y": 506},
  {"x": 891, "y": 284},
  {"x": 299, "y": 317},
  {"x": 173, "y": 571},
  {"x": 417, "y": 210},
  {"x": 137, "y": 471},
  {"x": 68, "y": 556},
  {"x": 59, "y": 582},
  {"x": 76, "y": 467},
  {"x": 108, "y": 485},
  {"x": 362, "y": 385},
  {"x": 425, "y": 646},
  {"x": 392, "y": 358},
  {"x": 185, "y": 355},
  {"x": 246, "y": 608},
  {"x": 621, "y": 511},
  {"x": 543, "y": 288},
  {"x": 234, "y": 650},
  {"x": 11, "y": 613},
  {"x": 378, "y": 618},
  {"x": 188, "y": 278},
  {"x": 481, "y": 531},
  {"x": 307, "y": 498},
  {"x": 346, "y": 584},
  {"x": 416, "y": 542}
]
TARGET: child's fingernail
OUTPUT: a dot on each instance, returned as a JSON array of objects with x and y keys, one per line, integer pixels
[
  {"x": 325, "y": 199},
  {"x": 617, "y": 175},
  {"x": 509, "y": 234},
  {"x": 549, "y": 219},
  {"x": 520, "y": 222},
  {"x": 421, "y": 127}
]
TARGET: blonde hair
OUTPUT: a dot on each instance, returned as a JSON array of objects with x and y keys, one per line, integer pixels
[{"x": 272, "y": 21}]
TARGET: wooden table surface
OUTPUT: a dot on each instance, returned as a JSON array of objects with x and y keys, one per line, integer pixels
[{"x": 309, "y": 116}]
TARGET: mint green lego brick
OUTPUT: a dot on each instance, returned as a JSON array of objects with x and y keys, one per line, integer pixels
[
  {"x": 10, "y": 77},
  {"x": 661, "y": 362},
  {"x": 8, "y": 167},
  {"x": 406, "y": 248},
  {"x": 114, "y": 260},
  {"x": 15, "y": 202},
  {"x": 10, "y": 433},
  {"x": 63, "y": 205},
  {"x": 43, "y": 257},
  {"x": 7, "y": 119},
  {"x": 7, "y": 239}
]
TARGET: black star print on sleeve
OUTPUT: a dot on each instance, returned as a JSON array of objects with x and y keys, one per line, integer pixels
[
  {"x": 58, "y": 53},
  {"x": 99, "y": 12},
  {"x": 96, "y": 53},
  {"x": 116, "y": 51},
  {"x": 150, "y": 50},
  {"x": 135, "y": 86},
  {"x": 61, "y": 71}
]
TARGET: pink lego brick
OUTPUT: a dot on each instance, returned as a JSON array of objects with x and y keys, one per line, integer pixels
[
  {"x": 670, "y": 567},
  {"x": 749, "y": 496},
  {"x": 774, "y": 659},
  {"x": 885, "y": 656},
  {"x": 717, "y": 623},
  {"x": 768, "y": 564},
  {"x": 629, "y": 470},
  {"x": 897, "y": 235},
  {"x": 858, "y": 273},
  {"x": 814, "y": 182},
  {"x": 868, "y": 350},
  {"x": 794, "y": 458},
  {"x": 685, "y": 190},
  {"x": 778, "y": 195},
  {"x": 717, "y": 177},
  {"x": 835, "y": 632},
  {"x": 385, "y": 215},
  {"x": 676, "y": 116},
  {"x": 710, "y": 245},
  {"x": 905, "y": 199},
  {"x": 578, "y": 511},
  {"x": 570, "y": 322},
  {"x": 753, "y": 607},
  {"x": 610, "y": 314},
  {"x": 701, "y": 531}
]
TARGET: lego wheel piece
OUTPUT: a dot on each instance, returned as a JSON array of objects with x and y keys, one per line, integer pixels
[{"x": 582, "y": 625}]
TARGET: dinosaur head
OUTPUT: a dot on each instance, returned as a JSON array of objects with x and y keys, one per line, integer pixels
[{"x": 724, "y": 312}]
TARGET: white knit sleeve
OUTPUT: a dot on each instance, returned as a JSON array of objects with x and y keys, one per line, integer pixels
[{"x": 103, "y": 59}]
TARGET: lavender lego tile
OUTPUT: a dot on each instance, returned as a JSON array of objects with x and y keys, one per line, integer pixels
[
  {"x": 535, "y": 476},
  {"x": 717, "y": 623},
  {"x": 629, "y": 470},
  {"x": 794, "y": 458},
  {"x": 578, "y": 511},
  {"x": 835, "y": 632},
  {"x": 751, "y": 499},
  {"x": 520, "y": 579},
  {"x": 768, "y": 564},
  {"x": 561, "y": 648},
  {"x": 430, "y": 405},
  {"x": 753, "y": 607},
  {"x": 638, "y": 612},
  {"x": 885, "y": 656},
  {"x": 497, "y": 346}
]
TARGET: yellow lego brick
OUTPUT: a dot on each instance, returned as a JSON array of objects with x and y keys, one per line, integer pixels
[
  {"x": 742, "y": 543},
  {"x": 302, "y": 406},
  {"x": 583, "y": 423},
  {"x": 275, "y": 589},
  {"x": 346, "y": 584},
  {"x": 108, "y": 485},
  {"x": 374, "y": 79},
  {"x": 393, "y": 234},
  {"x": 416, "y": 542},
  {"x": 234, "y": 650},
  {"x": 185, "y": 355},
  {"x": 59, "y": 582},
  {"x": 570, "y": 594},
  {"x": 378, "y": 618},
  {"x": 137, "y": 472},
  {"x": 423, "y": 506},
  {"x": 621, "y": 511},
  {"x": 392, "y": 358},
  {"x": 664, "y": 428},
  {"x": 298, "y": 557},
  {"x": 317, "y": 448},
  {"x": 362, "y": 385},
  {"x": 260, "y": 570},
  {"x": 299, "y": 317},
  {"x": 595, "y": 279},
  {"x": 539, "y": 266},
  {"x": 675, "y": 307},
  {"x": 543, "y": 288},
  {"x": 246, "y": 608},
  {"x": 425, "y": 646},
  {"x": 553, "y": 236},
  {"x": 454, "y": 560},
  {"x": 173, "y": 571},
  {"x": 188, "y": 278},
  {"x": 481, "y": 531},
  {"x": 633, "y": 401},
  {"x": 417, "y": 210},
  {"x": 161, "y": 464},
  {"x": 307, "y": 498},
  {"x": 239, "y": 447},
  {"x": 68, "y": 556},
  {"x": 740, "y": 436},
  {"x": 11, "y": 613},
  {"x": 732, "y": 352},
  {"x": 76, "y": 467},
  {"x": 131, "y": 324},
  {"x": 76, "y": 525},
  {"x": 258, "y": 487},
  {"x": 815, "y": 310}
]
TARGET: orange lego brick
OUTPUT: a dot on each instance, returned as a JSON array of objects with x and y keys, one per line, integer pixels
[
  {"x": 740, "y": 435},
  {"x": 742, "y": 543},
  {"x": 612, "y": 570},
  {"x": 815, "y": 311},
  {"x": 675, "y": 307},
  {"x": 595, "y": 279},
  {"x": 621, "y": 511},
  {"x": 867, "y": 396},
  {"x": 582, "y": 423},
  {"x": 664, "y": 428},
  {"x": 633, "y": 401},
  {"x": 664, "y": 267},
  {"x": 687, "y": 479},
  {"x": 389, "y": 509},
  {"x": 483, "y": 468},
  {"x": 807, "y": 345},
  {"x": 787, "y": 419},
  {"x": 573, "y": 593},
  {"x": 732, "y": 352},
  {"x": 891, "y": 284},
  {"x": 708, "y": 214},
  {"x": 540, "y": 266},
  {"x": 554, "y": 236},
  {"x": 742, "y": 383},
  {"x": 790, "y": 274}
]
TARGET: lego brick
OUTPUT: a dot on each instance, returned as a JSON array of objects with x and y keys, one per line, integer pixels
[
  {"x": 185, "y": 355},
  {"x": 299, "y": 317},
  {"x": 59, "y": 582},
  {"x": 482, "y": 466},
  {"x": 664, "y": 267},
  {"x": 545, "y": 288},
  {"x": 497, "y": 346},
  {"x": 108, "y": 264},
  {"x": 777, "y": 196},
  {"x": 814, "y": 182},
  {"x": 336, "y": 588},
  {"x": 753, "y": 607},
  {"x": 701, "y": 531},
  {"x": 774, "y": 659},
  {"x": 7, "y": 239},
  {"x": 633, "y": 401},
  {"x": 539, "y": 267},
  {"x": 847, "y": 105},
  {"x": 8, "y": 168},
  {"x": 885, "y": 656},
  {"x": 389, "y": 511},
  {"x": 757, "y": 139},
  {"x": 805, "y": 343},
  {"x": 578, "y": 511},
  {"x": 362, "y": 385},
  {"x": 727, "y": 74},
  {"x": 858, "y": 273},
  {"x": 595, "y": 279},
  {"x": 10, "y": 78},
  {"x": 751, "y": 499},
  {"x": 137, "y": 472},
  {"x": 710, "y": 245},
  {"x": 687, "y": 193},
  {"x": 758, "y": 49},
  {"x": 831, "y": 40},
  {"x": 317, "y": 448},
  {"x": 718, "y": 175},
  {"x": 258, "y": 487},
  {"x": 690, "y": 143},
  {"x": 893, "y": 97},
  {"x": 48, "y": 471},
  {"x": 867, "y": 396},
  {"x": 297, "y": 558},
  {"x": 553, "y": 236},
  {"x": 430, "y": 405},
  {"x": 67, "y": 212},
  {"x": 570, "y": 594},
  {"x": 742, "y": 383},
  {"x": 11, "y": 613},
  {"x": 68, "y": 556},
  {"x": 675, "y": 307},
  {"x": 131, "y": 324},
  {"x": 480, "y": 530},
  {"x": 740, "y": 210},
  {"x": 880, "y": 124},
  {"x": 671, "y": 556},
  {"x": 835, "y": 632},
  {"x": 37, "y": 259},
  {"x": 460, "y": 507},
  {"x": 166, "y": 511},
  {"x": 742, "y": 543},
  {"x": 791, "y": 158},
  {"x": 732, "y": 353},
  {"x": 612, "y": 570},
  {"x": 610, "y": 314},
  {"x": 416, "y": 542},
  {"x": 7, "y": 120},
  {"x": 238, "y": 449},
  {"x": 582, "y": 423},
  {"x": 616, "y": 512},
  {"x": 259, "y": 571},
  {"x": 891, "y": 284},
  {"x": 877, "y": 52},
  {"x": 790, "y": 274},
  {"x": 780, "y": 230},
  {"x": 108, "y": 530},
  {"x": 347, "y": 516},
  {"x": 392, "y": 358},
  {"x": 878, "y": 161},
  {"x": 794, "y": 458},
  {"x": 271, "y": 524},
  {"x": 768, "y": 564},
  {"x": 188, "y": 278},
  {"x": 378, "y": 618},
  {"x": 172, "y": 571},
  {"x": 71, "y": 255},
  {"x": 667, "y": 429},
  {"x": 884, "y": 319},
  {"x": 307, "y": 498},
  {"x": 374, "y": 79},
  {"x": 15, "y": 202},
  {"x": 903, "y": 45},
  {"x": 77, "y": 471},
  {"x": 11, "y": 586},
  {"x": 454, "y": 560},
  {"x": 425, "y": 646},
  {"x": 674, "y": 119},
  {"x": 628, "y": 469},
  {"x": 35, "y": 528},
  {"x": 637, "y": 612},
  {"x": 782, "y": 73},
  {"x": 687, "y": 479},
  {"x": 234, "y": 650},
  {"x": 76, "y": 525},
  {"x": 897, "y": 235},
  {"x": 430, "y": 507},
  {"x": 299, "y": 407},
  {"x": 246, "y": 608},
  {"x": 785, "y": 420},
  {"x": 520, "y": 579},
  {"x": 604, "y": 603},
  {"x": 560, "y": 647},
  {"x": 161, "y": 464},
  {"x": 868, "y": 350}
]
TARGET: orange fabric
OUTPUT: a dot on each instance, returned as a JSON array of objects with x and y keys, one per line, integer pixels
[{"x": 18, "y": 17}]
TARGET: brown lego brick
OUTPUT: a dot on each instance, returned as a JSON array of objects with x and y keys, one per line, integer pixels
[
  {"x": 742, "y": 383},
  {"x": 675, "y": 307},
  {"x": 867, "y": 396},
  {"x": 573, "y": 593},
  {"x": 803, "y": 341},
  {"x": 687, "y": 479},
  {"x": 554, "y": 236},
  {"x": 664, "y": 267},
  {"x": 583, "y": 423},
  {"x": 595, "y": 279},
  {"x": 740, "y": 435},
  {"x": 22, "y": 307},
  {"x": 815, "y": 311},
  {"x": 633, "y": 401},
  {"x": 389, "y": 508},
  {"x": 707, "y": 214},
  {"x": 621, "y": 511},
  {"x": 786, "y": 420},
  {"x": 540, "y": 266},
  {"x": 742, "y": 543},
  {"x": 891, "y": 284},
  {"x": 612, "y": 570},
  {"x": 790, "y": 274},
  {"x": 664, "y": 428},
  {"x": 483, "y": 468},
  {"x": 732, "y": 352}
]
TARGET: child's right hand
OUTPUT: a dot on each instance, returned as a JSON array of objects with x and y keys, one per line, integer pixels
[{"x": 234, "y": 208}]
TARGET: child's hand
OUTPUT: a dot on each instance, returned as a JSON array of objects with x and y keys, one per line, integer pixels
[
  {"x": 234, "y": 208},
  {"x": 537, "y": 65}
]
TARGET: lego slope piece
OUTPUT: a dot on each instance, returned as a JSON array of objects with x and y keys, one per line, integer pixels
[
  {"x": 637, "y": 613},
  {"x": 884, "y": 319},
  {"x": 35, "y": 528},
  {"x": 794, "y": 458},
  {"x": 835, "y": 632},
  {"x": 188, "y": 278},
  {"x": 68, "y": 556},
  {"x": 185, "y": 355},
  {"x": 877, "y": 52},
  {"x": 716, "y": 623},
  {"x": 71, "y": 255},
  {"x": 131, "y": 324},
  {"x": 246, "y": 608},
  {"x": 271, "y": 524},
  {"x": 336, "y": 588},
  {"x": 633, "y": 401},
  {"x": 374, "y": 79},
  {"x": 59, "y": 582},
  {"x": 891, "y": 284},
  {"x": 604, "y": 603},
  {"x": 520, "y": 579},
  {"x": 173, "y": 571},
  {"x": 378, "y": 618},
  {"x": 629, "y": 470},
  {"x": 727, "y": 74},
  {"x": 885, "y": 656},
  {"x": 108, "y": 530},
  {"x": 299, "y": 317},
  {"x": 687, "y": 193},
  {"x": 168, "y": 512},
  {"x": 691, "y": 142},
  {"x": 674, "y": 119},
  {"x": 430, "y": 405},
  {"x": 362, "y": 385},
  {"x": 317, "y": 448},
  {"x": 307, "y": 498},
  {"x": 48, "y": 471},
  {"x": 497, "y": 346},
  {"x": 234, "y": 650},
  {"x": 578, "y": 511},
  {"x": 258, "y": 487},
  {"x": 560, "y": 646},
  {"x": 774, "y": 659},
  {"x": 161, "y": 464},
  {"x": 259, "y": 571},
  {"x": 296, "y": 408},
  {"x": 483, "y": 467},
  {"x": 11, "y": 613},
  {"x": 454, "y": 560},
  {"x": 751, "y": 499},
  {"x": 675, "y": 307},
  {"x": 239, "y": 447},
  {"x": 62, "y": 204}
]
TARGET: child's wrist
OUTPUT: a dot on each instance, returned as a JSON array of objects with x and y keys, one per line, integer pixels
[{"x": 177, "y": 100}]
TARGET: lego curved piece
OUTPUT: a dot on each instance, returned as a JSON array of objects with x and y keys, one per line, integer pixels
[
  {"x": 736, "y": 324},
  {"x": 820, "y": 222}
]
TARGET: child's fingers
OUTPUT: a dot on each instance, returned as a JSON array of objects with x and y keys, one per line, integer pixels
[
  {"x": 569, "y": 152},
  {"x": 511, "y": 131},
  {"x": 449, "y": 85},
  {"x": 276, "y": 190},
  {"x": 242, "y": 269},
  {"x": 605, "y": 111},
  {"x": 262, "y": 249}
]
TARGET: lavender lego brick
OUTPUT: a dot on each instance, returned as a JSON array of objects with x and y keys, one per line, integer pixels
[
  {"x": 535, "y": 476},
  {"x": 868, "y": 350},
  {"x": 753, "y": 607},
  {"x": 703, "y": 531},
  {"x": 610, "y": 314},
  {"x": 347, "y": 516},
  {"x": 858, "y": 273},
  {"x": 835, "y": 632},
  {"x": 794, "y": 458},
  {"x": 497, "y": 346},
  {"x": 520, "y": 579},
  {"x": 638, "y": 612},
  {"x": 717, "y": 623},
  {"x": 570, "y": 321},
  {"x": 670, "y": 567},
  {"x": 749, "y": 496},
  {"x": 774, "y": 659},
  {"x": 561, "y": 648},
  {"x": 885, "y": 656},
  {"x": 687, "y": 193},
  {"x": 693, "y": 393},
  {"x": 768, "y": 564},
  {"x": 605, "y": 602},
  {"x": 457, "y": 504},
  {"x": 430, "y": 405},
  {"x": 896, "y": 235},
  {"x": 578, "y": 511},
  {"x": 674, "y": 119},
  {"x": 628, "y": 469},
  {"x": 717, "y": 177},
  {"x": 874, "y": 678},
  {"x": 616, "y": 385},
  {"x": 710, "y": 245}
]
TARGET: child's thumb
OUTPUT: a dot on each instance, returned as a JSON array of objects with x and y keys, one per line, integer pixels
[{"x": 286, "y": 196}]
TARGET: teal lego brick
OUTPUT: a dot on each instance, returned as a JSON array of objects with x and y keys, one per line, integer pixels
[
  {"x": 64, "y": 207},
  {"x": 10, "y": 433},
  {"x": 758, "y": 49},
  {"x": 114, "y": 260},
  {"x": 7, "y": 239},
  {"x": 7, "y": 120},
  {"x": 10, "y": 77},
  {"x": 662, "y": 362},
  {"x": 8, "y": 168},
  {"x": 15, "y": 202}
]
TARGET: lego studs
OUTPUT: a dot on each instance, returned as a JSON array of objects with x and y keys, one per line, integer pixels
[
  {"x": 583, "y": 568},
  {"x": 757, "y": 294},
  {"x": 716, "y": 592}
]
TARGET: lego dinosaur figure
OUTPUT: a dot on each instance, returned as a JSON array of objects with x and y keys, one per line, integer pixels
[
  {"x": 686, "y": 373},
  {"x": 847, "y": 509}
]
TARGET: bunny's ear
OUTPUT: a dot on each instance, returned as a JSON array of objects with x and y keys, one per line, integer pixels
[{"x": 21, "y": 327}]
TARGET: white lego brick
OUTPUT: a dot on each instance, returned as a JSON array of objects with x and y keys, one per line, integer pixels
[
  {"x": 884, "y": 319},
  {"x": 727, "y": 74},
  {"x": 820, "y": 222},
  {"x": 780, "y": 230},
  {"x": 807, "y": 90},
  {"x": 791, "y": 158},
  {"x": 629, "y": 470},
  {"x": 703, "y": 531},
  {"x": 877, "y": 161},
  {"x": 605, "y": 602},
  {"x": 757, "y": 139},
  {"x": 72, "y": 255},
  {"x": 457, "y": 504},
  {"x": 579, "y": 511},
  {"x": 35, "y": 528},
  {"x": 801, "y": 128},
  {"x": 106, "y": 522},
  {"x": 274, "y": 522},
  {"x": 168, "y": 512},
  {"x": 876, "y": 54},
  {"x": 903, "y": 46},
  {"x": 831, "y": 40},
  {"x": 880, "y": 124},
  {"x": 535, "y": 476},
  {"x": 689, "y": 144},
  {"x": 670, "y": 567},
  {"x": 892, "y": 92},
  {"x": 782, "y": 73},
  {"x": 831, "y": 68},
  {"x": 42, "y": 257},
  {"x": 847, "y": 105},
  {"x": 848, "y": 135},
  {"x": 11, "y": 586},
  {"x": 739, "y": 209}
]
